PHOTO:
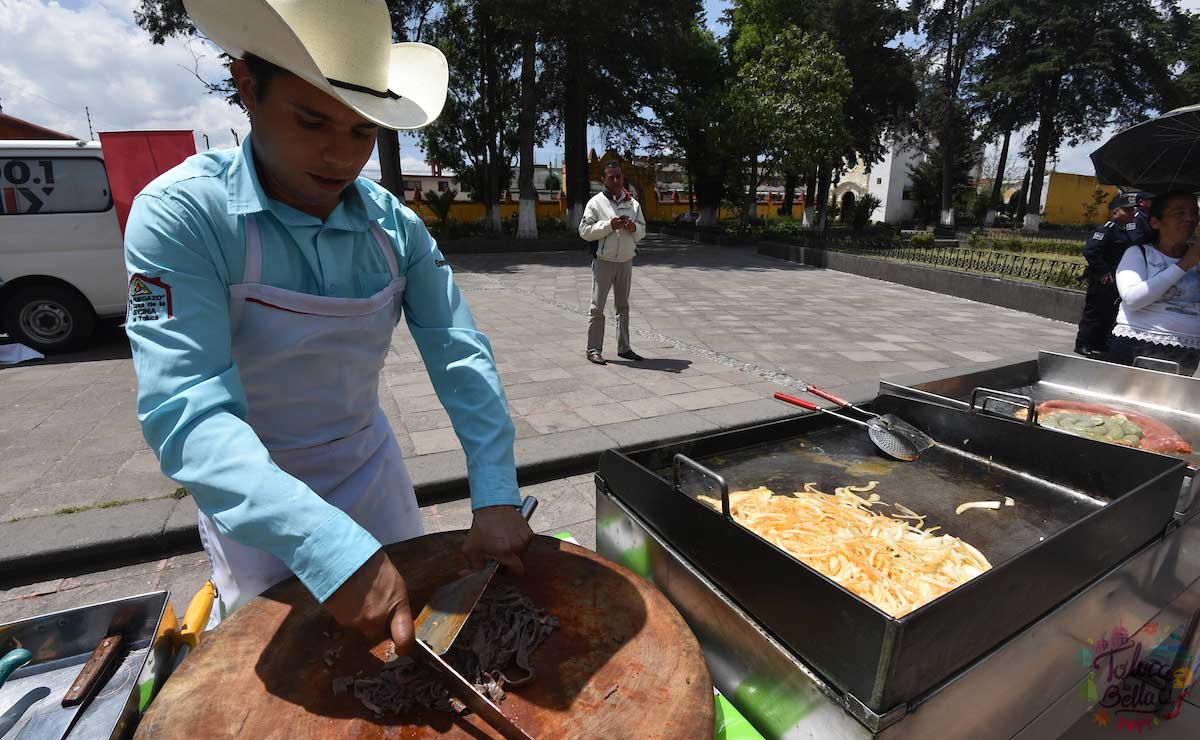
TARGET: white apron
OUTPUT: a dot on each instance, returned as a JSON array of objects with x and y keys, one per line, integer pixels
[{"x": 310, "y": 366}]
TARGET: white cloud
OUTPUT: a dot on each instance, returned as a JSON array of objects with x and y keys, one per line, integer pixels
[{"x": 58, "y": 59}]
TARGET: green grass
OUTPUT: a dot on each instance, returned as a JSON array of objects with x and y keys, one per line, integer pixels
[{"x": 102, "y": 505}]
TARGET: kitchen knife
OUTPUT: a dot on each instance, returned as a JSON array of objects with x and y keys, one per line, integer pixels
[
  {"x": 447, "y": 610},
  {"x": 475, "y": 699},
  {"x": 55, "y": 722}
]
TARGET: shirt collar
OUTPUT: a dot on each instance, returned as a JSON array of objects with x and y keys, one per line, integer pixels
[
  {"x": 618, "y": 198},
  {"x": 359, "y": 206},
  {"x": 241, "y": 182}
]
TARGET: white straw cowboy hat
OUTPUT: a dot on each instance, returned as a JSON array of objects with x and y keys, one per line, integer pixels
[{"x": 342, "y": 47}]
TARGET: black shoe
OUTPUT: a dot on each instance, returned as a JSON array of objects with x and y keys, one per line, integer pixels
[
  {"x": 595, "y": 357},
  {"x": 1092, "y": 353},
  {"x": 631, "y": 355}
]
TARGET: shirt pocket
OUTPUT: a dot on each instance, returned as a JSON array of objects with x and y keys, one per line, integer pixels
[{"x": 370, "y": 283}]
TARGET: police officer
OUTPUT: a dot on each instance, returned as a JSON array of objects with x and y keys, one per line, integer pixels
[
  {"x": 1103, "y": 253},
  {"x": 1139, "y": 229}
]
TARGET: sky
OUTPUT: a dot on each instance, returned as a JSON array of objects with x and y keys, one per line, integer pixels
[{"x": 60, "y": 56}]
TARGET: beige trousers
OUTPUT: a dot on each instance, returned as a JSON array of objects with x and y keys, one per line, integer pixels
[{"x": 606, "y": 276}]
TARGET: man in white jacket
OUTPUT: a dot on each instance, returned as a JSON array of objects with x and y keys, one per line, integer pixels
[{"x": 613, "y": 221}]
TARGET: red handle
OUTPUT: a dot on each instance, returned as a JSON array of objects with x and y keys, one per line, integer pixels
[
  {"x": 797, "y": 401},
  {"x": 827, "y": 396}
]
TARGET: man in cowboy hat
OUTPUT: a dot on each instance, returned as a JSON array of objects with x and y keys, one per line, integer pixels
[{"x": 265, "y": 283}]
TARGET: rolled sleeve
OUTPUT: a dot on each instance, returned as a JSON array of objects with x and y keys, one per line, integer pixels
[
  {"x": 462, "y": 367},
  {"x": 192, "y": 407}
]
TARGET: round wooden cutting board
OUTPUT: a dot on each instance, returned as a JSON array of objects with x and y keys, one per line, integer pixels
[{"x": 623, "y": 664}]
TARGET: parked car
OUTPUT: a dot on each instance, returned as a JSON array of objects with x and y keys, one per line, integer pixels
[
  {"x": 688, "y": 218},
  {"x": 61, "y": 260}
]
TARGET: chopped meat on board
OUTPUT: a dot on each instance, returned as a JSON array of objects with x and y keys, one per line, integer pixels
[{"x": 493, "y": 651}]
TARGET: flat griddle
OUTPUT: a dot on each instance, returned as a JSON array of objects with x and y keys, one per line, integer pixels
[
  {"x": 1082, "y": 507},
  {"x": 623, "y": 663}
]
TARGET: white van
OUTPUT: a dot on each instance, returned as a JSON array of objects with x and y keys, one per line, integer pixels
[{"x": 61, "y": 259}]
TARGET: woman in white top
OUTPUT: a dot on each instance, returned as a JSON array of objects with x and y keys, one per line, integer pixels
[{"x": 1159, "y": 284}]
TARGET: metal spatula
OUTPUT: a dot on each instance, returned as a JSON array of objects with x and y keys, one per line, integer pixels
[
  {"x": 444, "y": 615},
  {"x": 888, "y": 442}
]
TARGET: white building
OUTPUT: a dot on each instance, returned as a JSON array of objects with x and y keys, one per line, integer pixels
[{"x": 888, "y": 181}]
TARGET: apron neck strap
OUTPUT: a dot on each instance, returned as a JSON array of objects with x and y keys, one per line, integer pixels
[
  {"x": 385, "y": 246},
  {"x": 253, "y": 270}
]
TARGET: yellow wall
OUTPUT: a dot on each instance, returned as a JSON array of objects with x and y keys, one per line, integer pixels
[
  {"x": 469, "y": 211},
  {"x": 1068, "y": 196}
]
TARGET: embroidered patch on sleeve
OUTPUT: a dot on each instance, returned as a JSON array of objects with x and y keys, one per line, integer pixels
[{"x": 149, "y": 299}]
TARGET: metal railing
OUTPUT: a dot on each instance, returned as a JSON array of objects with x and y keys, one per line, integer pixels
[{"x": 1044, "y": 270}]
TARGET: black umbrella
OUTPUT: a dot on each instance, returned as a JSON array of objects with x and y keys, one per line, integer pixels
[{"x": 1159, "y": 155}]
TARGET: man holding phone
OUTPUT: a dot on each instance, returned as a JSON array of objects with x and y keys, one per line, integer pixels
[{"x": 614, "y": 223}]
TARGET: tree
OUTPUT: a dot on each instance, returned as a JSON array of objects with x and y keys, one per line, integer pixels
[
  {"x": 1093, "y": 208},
  {"x": 797, "y": 91},
  {"x": 1076, "y": 68},
  {"x": 693, "y": 112},
  {"x": 883, "y": 90},
  {"x": 440, "y": 204},
  {"x": 476, "y": 134},
  {"x": 604, "y": 75},
  {"x": 927, "y": 176},
  {"x": 953, "y": 34}
]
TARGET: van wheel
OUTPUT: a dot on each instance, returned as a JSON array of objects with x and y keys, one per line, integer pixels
[{"x": 49, "y": 318}]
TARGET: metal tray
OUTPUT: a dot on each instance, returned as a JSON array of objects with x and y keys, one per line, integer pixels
[
  {"x": 1169, "y": 398},
  {"x": 1082, "y": 507},
  {"x": 62, "y": 642}
]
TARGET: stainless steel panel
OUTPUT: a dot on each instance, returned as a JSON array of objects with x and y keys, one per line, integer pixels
[{"x": 777, "y": 693}]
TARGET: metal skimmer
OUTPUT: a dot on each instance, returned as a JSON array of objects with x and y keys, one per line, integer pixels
[
  {"x": 918, "y": 440},
  {"x": 888, "y": 442}
]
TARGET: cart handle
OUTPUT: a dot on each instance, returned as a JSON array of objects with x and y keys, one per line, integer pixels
[
  {"x": 681, "y": 460},
  {"x": 1012, "y": 399}
]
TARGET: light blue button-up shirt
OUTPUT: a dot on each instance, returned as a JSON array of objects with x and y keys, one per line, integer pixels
[{"x": 187, "y": 230}]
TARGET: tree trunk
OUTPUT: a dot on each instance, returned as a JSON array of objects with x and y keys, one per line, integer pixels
[
  {"x": 527, "y": 213},
  {"x": 708, "y": 201},
  {"x": 1022, "y": 195},
  {"x": 947, "y": 137},
  {"x": 824, "y": 177},
  {"x": 487, "y": 129},
  {"x": 389, "y": 162},
  {"x": 810, "y": 196},
  {"x": 1045, "y": 134},
  {"x": 790, "y": 180},
  {"x": 998, "y": 181},
  {"x": 575, "y": 158},
  {"x": 750, "y": 210},
  {"x": 947, "y": 212}
]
